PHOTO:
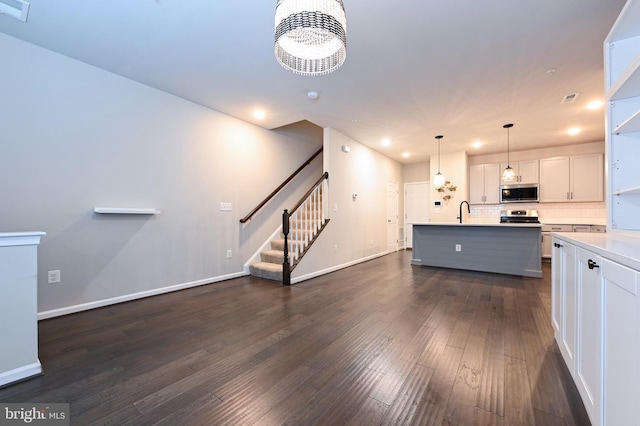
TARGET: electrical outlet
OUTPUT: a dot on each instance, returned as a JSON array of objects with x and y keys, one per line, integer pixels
[
  {"x": 225, "y": 207},
  {"x": 53, "y": 276},
  {"x": 229, "y": 254},
  {"x": 458, "y": 247}
]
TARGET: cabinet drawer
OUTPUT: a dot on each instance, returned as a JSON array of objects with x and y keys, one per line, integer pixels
[{"x": 557, "y": 228}]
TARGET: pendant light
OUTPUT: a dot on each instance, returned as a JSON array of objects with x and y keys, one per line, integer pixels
[
  {"x": 438, "y": 179},
  {"x": 509, "y": 175}
]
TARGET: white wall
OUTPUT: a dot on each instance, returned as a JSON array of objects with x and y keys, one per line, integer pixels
[
  {"x": 75, "y": 137},
  {"x": 417, "y": 172},
  {"x": 358, "y": 229},
  {"x": 454, "y": 168}
]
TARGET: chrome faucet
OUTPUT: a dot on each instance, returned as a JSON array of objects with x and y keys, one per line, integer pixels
[{"x": 468, "y": 208}]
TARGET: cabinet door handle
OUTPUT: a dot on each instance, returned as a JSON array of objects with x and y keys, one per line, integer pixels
[
  {"x": 568, "y": 196},
  {"x": 592, "y": 264},
  {"x": 557, "y": 245}
]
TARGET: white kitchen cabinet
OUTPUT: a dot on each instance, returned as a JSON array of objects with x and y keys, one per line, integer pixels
[
  {"x": 572, "y": 179},
  {"x": 526, "y": 171},
  {"x": 547, "y": 239},
  {"x": 564, "y": 300},
  {"x": 484, "y": 184},
  {"x": 622, "y": 93},
  {"x": 547, "y": 252},
  {"x": 586, "y": 178},
  {"x": 554, "y": 179},
  {"x": 621, "y": 344},
  {"x": 604, "y": 307},
  {"x": 588, "y": 363}
]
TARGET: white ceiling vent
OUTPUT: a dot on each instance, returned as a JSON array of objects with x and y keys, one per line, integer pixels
[
  {"x": 15, "y": 8},
  {"x": 566, "y": 100}
]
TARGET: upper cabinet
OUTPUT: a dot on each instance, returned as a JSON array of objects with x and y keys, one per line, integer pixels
[
  {"x": 622, "y": 92},
  {"x": 484, "y": 184},
  {"x": 526, "y": 171},
  {"x": 586, "y": 177},
  {"x": 578, "y": 178}
]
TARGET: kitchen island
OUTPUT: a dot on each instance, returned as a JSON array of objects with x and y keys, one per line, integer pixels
[{"x": 505, "y": 248}]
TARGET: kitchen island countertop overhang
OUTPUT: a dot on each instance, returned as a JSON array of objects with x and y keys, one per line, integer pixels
[{"x": 506, "y": 248}]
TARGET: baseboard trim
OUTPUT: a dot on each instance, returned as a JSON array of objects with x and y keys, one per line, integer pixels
[
  {"x": 336, "y": 268},
  {"x": 21, "y": 373},
  {"x": 128, "y": 297},
  {"x": 141, "y": 295}
]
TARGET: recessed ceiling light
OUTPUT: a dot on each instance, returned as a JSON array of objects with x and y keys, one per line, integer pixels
[
  {"x": 259, "y": 114},
  {"x": 551, "y": 71},
  {"x": 386, "y": 142},
  {"x": 573, "y": 131},
  {"x": 405, "y": 154},
  {"x": 476, "y": 144},
  {"x": 595, "y": 105},
  {"x": 313, "y": 95}
]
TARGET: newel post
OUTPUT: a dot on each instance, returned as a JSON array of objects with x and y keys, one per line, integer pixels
[{"x": 286, "y": 267}]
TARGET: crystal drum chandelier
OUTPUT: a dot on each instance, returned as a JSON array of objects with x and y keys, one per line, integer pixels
[{"x": 310, "y": 36}]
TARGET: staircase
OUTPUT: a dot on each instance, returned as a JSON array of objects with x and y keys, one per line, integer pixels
[
  {"x": 301, "y": 228},
  {"x": 270, "y": 264}
]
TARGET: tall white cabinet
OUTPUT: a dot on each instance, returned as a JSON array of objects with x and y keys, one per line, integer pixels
[
  {"x": 19, "y": 306},
  {"x": 604, "y": 314},
  {"x": 622, "y": 92}
]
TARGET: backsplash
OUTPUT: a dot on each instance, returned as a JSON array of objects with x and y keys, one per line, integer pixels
[{"x": 547, "y": 212}]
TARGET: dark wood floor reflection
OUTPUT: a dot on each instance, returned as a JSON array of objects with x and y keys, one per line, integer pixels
[{"x": 379, "y": 343}]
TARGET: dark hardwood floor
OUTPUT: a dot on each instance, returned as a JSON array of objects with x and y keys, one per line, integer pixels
[{"x": 378, "y": 343}]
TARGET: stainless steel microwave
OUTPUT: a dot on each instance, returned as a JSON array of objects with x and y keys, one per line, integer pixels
[{"x": 520, "y": 193}]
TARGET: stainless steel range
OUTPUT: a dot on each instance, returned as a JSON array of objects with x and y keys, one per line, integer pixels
[{"x": 519, "y": 216}]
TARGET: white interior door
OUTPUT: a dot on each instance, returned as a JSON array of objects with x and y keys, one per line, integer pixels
[
  {"x": 392, "y": 216},
  {"x": 416, "y": 207}
]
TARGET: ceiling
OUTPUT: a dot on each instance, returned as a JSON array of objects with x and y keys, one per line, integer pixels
[{"x": 414, "y": 68}]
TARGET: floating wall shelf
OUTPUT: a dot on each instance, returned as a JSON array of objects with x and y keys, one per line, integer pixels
[{"x": 114, "y": 210}]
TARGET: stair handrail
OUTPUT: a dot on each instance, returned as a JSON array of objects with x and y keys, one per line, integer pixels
[
  {"x": 324, "y": 177},
  {"x": 316, "y": 224},
  {"x": 279, "y": 188}
]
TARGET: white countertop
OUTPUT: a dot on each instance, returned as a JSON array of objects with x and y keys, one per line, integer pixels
[
  {"x": 494, "y": 224},
  {"x": 579, "y": 221},
  {"x": 621, "y": 249}
]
